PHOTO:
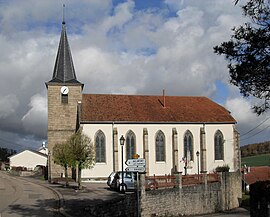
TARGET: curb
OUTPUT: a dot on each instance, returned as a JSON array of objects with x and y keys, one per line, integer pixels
[{"x": 61, "y": 199}]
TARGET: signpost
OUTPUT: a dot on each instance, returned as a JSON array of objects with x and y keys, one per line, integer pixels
[
  {"x": 136, "y": 169},
  {"x": 135, "y": 162},
  {"x": 135, "y": 165},
  {"x": 138, "y": 166}
]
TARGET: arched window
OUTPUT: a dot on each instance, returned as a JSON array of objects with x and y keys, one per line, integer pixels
[
  {"x": 100, "y": 143},
  {"x": 160, "y": 146},
  {"x": 130, "y": 145},
  {"x": 188, "y": 146},
  {"x": 219, "y": 147}
]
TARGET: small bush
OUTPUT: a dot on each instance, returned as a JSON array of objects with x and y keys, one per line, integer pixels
[
  {"x": 19, "y": 169},
  {"x": 224, "y": 168},
  {"x": 245, "y": 201}
]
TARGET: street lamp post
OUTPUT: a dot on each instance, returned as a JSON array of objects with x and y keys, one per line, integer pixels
[
  {"x": 244, "y": 170},
  {"x": 198, "y": 164},
  {"x": 49, "y": 167},
  {"x": 122, "y": 142},
  {"x": 185, "y": 167}
]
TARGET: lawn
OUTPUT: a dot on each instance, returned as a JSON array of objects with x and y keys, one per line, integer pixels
[
  {"x": 245, "y": 201},
  {"x": 258, "y": 160}
]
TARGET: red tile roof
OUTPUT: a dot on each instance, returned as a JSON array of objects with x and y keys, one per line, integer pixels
[
  {"x": 150, "y": 109},
  {"x": 257, "y": 174}
]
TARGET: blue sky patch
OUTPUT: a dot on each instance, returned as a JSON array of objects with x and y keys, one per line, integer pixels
[{"x": 221, "y": 93}]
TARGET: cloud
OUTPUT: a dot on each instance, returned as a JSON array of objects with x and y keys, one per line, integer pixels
[
  {"x": 243, "y": 114},
  {"x": 121, "y": 15},
  {"x": 117, "y": 48},
  {"x": 252, "y": 128},
  {"x": 150, "y": 48},
  {"x": 34, "y": 121},
  {"x": 8, "y": 105}
]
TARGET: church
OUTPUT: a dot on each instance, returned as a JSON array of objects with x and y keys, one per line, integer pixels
[{"x": 172, "y": 133}]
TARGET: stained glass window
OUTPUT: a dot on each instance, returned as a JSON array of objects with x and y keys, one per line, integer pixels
[
  {"x": 100, "y": 147},
  {"x": 160, "y": 146}
]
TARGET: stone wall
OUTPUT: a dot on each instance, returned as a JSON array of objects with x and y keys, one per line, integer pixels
[
  {"x": 124, "y": 206},
  {"x": 186, "y": 200},
  {"x": 231, "y": 190},
  {"x": 193, "y": 200}
]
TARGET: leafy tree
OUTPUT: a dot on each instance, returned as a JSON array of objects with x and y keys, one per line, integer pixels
[
  {"x": 248, "y": 54},
  {"x": 62, "y": 156},
  {"x": 255, "y": 149},
  {"x": 82, "y": 153},
  {"x": 5, "y": 153}
]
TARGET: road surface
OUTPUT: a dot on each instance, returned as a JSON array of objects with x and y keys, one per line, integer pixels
[{"x": 19, "y": 197}]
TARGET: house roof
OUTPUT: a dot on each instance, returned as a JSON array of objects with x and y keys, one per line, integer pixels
[
  {"x": 64, "y": 71},
  {"x": 257, "y": 174},
  {"x": 35, "y": 152},
  {"x": 151, "y": 109}
]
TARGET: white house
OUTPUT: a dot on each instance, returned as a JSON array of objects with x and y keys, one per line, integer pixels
[
  {"x": 28, "y": 159},
  {"x": 169, "y": 132},
  {"x": 43, "y": 149}
]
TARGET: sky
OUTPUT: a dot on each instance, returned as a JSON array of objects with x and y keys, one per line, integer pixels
[{"x": 118, "y": 47}]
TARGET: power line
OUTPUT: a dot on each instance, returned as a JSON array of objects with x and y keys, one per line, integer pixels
[
  {"x": 256, "y": 133},
  {"x": 241, "y": 135},
  {"x": 254, "y": 127}
]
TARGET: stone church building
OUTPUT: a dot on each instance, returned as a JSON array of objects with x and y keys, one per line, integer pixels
[{"x": 169, "y": 132}]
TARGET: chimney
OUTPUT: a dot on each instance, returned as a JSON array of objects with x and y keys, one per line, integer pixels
[{"x": 164, "y": 100}]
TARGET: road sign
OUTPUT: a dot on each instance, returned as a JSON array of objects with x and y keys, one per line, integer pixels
[
  {"x": 138, "y": 169},
  {"x": 135, "y": 162}
]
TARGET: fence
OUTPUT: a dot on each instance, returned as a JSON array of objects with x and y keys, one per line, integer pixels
[{"x": 172, "y": 181}]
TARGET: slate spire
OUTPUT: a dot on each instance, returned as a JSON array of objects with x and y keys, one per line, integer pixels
[{"x": 64, "y": 71}]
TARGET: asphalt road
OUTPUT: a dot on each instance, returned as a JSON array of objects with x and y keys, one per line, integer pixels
[
  {"x": 32, "y": 197},
  {"x": 19, "y": 197}
]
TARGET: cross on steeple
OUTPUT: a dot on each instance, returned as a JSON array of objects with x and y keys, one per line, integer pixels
[{"x": 63, "y": 22}]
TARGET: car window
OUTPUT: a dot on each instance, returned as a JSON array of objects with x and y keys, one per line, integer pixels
[
  {"x": 128, "y": 175},
  {"x": 117, "y": 176}
]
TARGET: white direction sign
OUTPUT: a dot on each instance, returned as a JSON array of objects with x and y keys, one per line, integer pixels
[
  {"x": 138, "y": 169},
  {"x": 135, "y": 162}
]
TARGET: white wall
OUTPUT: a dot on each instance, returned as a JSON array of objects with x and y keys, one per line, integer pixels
[
  {"x": 161, "y": 168},
  {"x": 100, "y": 169},
  {"x": 27, "y": 159},
  {"x": 43, "y": 150},
  {"x": 227, "y": 131}
]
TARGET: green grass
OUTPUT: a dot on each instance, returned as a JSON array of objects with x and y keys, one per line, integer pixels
[
  {"x": 245, "y": 201},
  {"x": 258, "y": 160}
]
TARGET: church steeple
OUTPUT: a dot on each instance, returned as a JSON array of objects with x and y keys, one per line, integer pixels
[
  {"x": 64, "y": 71},
  {"x": 64, "y": 93}
]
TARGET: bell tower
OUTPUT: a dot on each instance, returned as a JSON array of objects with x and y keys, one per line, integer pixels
[{"x": 64, "y": 94}]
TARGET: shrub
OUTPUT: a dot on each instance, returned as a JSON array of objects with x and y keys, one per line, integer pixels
[
  {"x": 224, "y": 168},
  {"x": 19, "y": 168}
]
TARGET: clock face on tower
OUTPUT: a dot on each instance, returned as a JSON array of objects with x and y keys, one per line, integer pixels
[{"x": 64, "y": 90}]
